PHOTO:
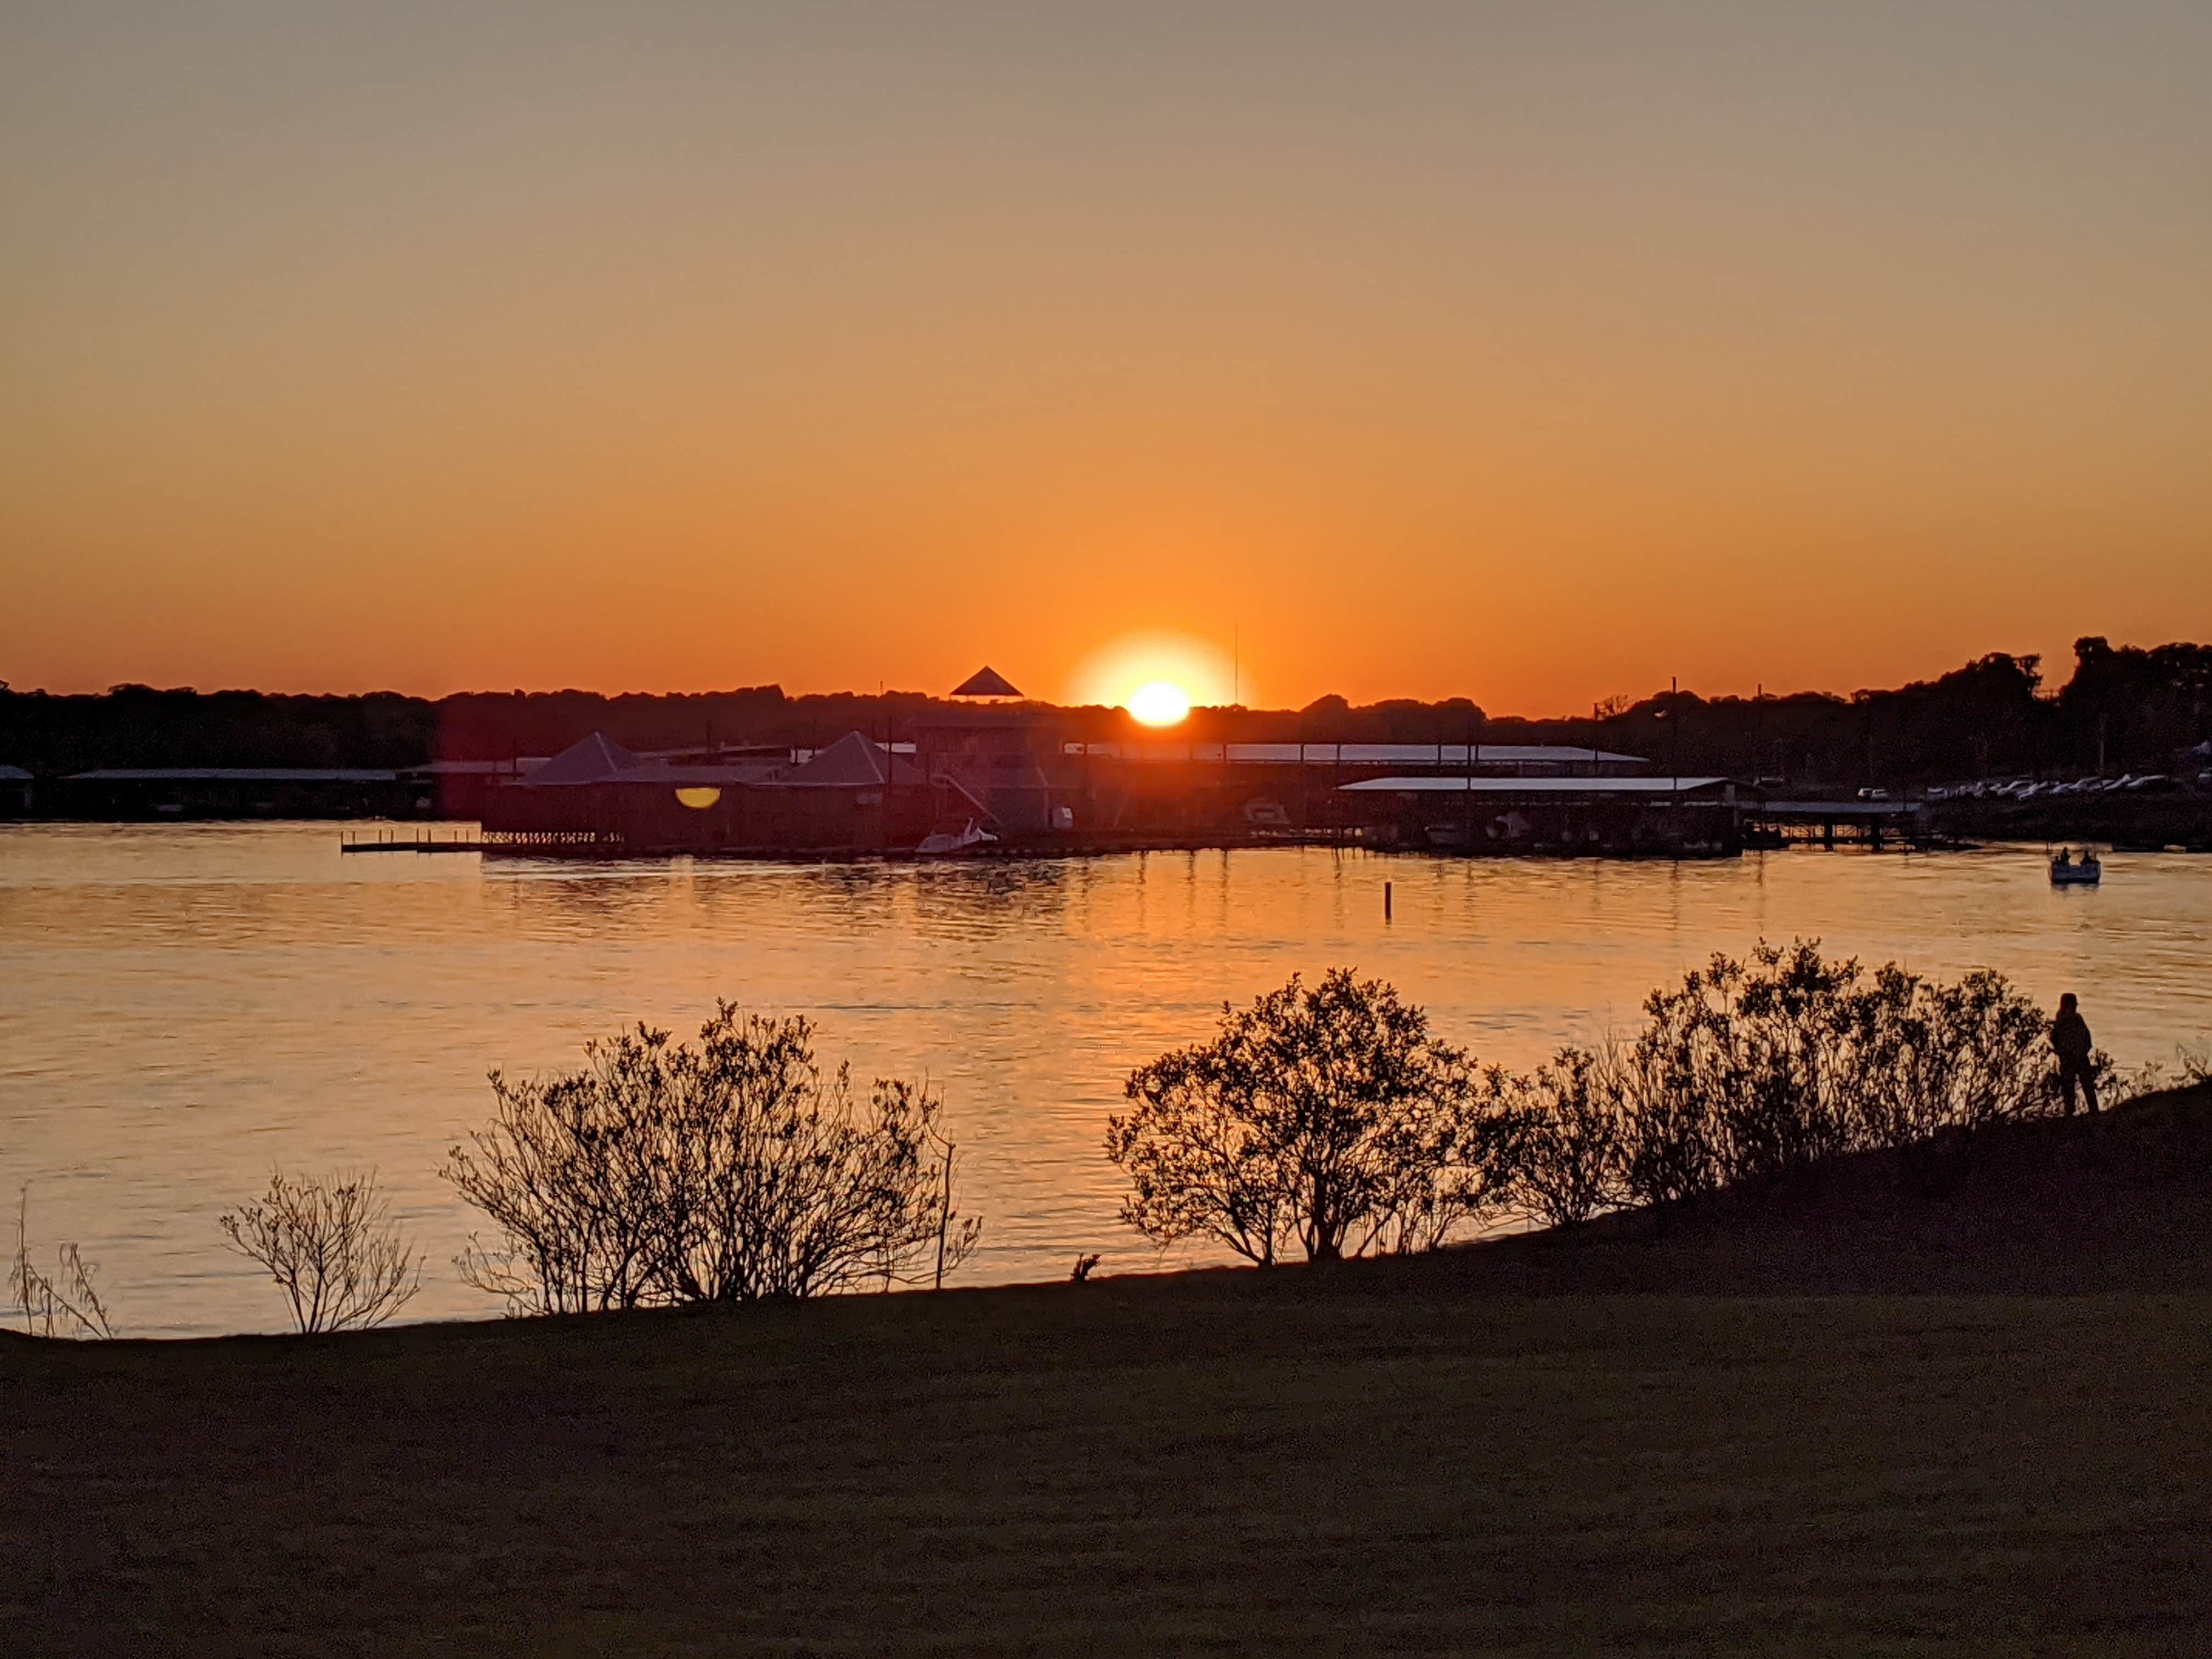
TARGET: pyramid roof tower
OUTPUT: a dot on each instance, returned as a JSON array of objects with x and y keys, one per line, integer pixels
[{"x": 985, "y": 682}]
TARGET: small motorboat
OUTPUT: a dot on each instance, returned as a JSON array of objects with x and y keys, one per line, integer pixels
[
  {"x": 947, "y": 844},
  {"x": 2066, "y": 871}
]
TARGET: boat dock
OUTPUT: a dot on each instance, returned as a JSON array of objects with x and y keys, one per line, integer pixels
[
  {"x": 395, "y": 840},
  {"x": 1779, "y": 823}
]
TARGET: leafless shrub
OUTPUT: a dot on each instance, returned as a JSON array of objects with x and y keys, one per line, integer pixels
[
  {"x": 957, "y": 1236},
  {"x": 2117, "y": 1085},
  {"x": 67, "y": 1307},
  {"x": 2194, "y": 1065},
  {"x": 1325, "y": 1120},
  {"x": 732, "y": 1171},
  {"x": 1572, "y": 1146},
  {"x": 333, "y": 1248}
]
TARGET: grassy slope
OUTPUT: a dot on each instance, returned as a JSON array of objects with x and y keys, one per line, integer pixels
[{"x": 1399, "y": 1455}]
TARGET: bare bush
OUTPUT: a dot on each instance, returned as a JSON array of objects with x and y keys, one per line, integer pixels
[
  {"x": 1572, "y": 1143},
  {"x": 1325, "y": 1120},
  {"x": 331, "y": 1247},
  {"x": 735, "y": 1170},
  {"x": 2194, "y": 1065},
  {"x": 68, "y": 1306},
  {"x": 1751, "y": 1069}
]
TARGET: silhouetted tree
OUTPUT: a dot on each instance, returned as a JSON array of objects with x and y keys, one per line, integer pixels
[
  {"x": 731, "y": 1171},
  {"x": 2136, "y": 707},
  {"x": 1322, "y": 1119}
]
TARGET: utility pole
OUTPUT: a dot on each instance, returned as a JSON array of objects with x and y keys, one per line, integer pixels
[
  {"x": 1674, "y": 725},
  {"x": 1467, "y": 798}
]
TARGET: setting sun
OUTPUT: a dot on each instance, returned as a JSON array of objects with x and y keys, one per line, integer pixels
[
  {"x": 1159, "y": 703},
  {"x": 1158, "y": 676}
]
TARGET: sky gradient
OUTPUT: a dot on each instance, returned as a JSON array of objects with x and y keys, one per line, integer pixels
[{"x": 1533, "y": 353}]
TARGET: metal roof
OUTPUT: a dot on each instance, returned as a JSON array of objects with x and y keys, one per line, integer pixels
[
  {"x": 1838, "y": 809},
  {"x": 852, "y": 760},
  {"x": 1433, "y": 785},
  {"x": 597, "y": 758},
  {"x": 470, "y": 768},
  {"x": 855, "y": 760},
  {"x": 1360, "y": 754},
  {"x": 230, "y": 774}
]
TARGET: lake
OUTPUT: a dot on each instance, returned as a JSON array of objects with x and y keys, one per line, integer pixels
[{"x": 183, "y": 1005}]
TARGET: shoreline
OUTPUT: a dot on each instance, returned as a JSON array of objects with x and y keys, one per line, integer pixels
[{"x": 1382, "y": 1455}]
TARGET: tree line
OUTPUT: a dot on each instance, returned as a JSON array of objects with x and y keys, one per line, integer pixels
[{"x": 2123, "y": 707}]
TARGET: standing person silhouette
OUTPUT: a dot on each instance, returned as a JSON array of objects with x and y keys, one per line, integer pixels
[{"x": 2070, "y": 1036}]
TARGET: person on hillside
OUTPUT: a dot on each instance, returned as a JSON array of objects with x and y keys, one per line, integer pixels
[{"x": 2070, "y": 1036}]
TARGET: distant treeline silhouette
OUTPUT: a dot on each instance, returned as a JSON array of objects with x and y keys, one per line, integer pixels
[{"x": 2124, "y": 708}]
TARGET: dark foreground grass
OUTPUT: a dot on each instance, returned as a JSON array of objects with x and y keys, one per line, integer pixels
[{"x": 1385, "y": 1458}]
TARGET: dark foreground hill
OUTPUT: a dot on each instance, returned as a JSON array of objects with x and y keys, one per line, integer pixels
[
  {"x": 1688, "y": 1453},
  {"x": 2063, "y": 1206}
]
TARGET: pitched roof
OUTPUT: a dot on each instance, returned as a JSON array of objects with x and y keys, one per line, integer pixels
[
  {"x": 853, "y": 759},
  {"x": 595, "y": 759},
  {"x": 985, "y": 682}
]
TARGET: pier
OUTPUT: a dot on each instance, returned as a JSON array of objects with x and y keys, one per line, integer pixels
[
  {"x": 1779, "y": 823},
  {"x": 409, "y": 840}
]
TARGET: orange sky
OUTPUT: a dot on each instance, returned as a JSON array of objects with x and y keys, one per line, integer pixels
[{"x": 1533, "y": 354}]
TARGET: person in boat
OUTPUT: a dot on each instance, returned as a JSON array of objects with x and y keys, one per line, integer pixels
[
  {"x": 2064, "y": 860},
  {"x": 2070, "y": 1039}
]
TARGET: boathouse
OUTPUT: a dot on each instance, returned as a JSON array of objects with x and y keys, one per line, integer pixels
[
  {"x": 857, "y": 796},
  {"x": 988, "y": 745},
  {"x": 1677, "y": 817}
]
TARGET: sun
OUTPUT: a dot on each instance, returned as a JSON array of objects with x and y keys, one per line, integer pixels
[
  {"x": 1159, "y": 677},
  {"x": 1158, "y": 702}
]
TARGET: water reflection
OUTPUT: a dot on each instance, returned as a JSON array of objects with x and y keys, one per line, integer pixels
[{"x": 181, "y": 1006}]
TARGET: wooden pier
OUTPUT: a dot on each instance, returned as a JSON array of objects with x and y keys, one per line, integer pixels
[{"x": 395, "y": 840}]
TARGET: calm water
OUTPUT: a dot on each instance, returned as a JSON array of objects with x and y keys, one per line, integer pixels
[{"x": 181, "y": 1006}]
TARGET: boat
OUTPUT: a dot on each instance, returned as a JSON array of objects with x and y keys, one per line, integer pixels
[
  {"x": 944, "y": 844},
  {"x": 2066, "y": 871}
]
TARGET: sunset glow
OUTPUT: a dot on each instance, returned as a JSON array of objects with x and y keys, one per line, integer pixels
[
  {"x": 1534, "y": 355},
  {"x": 1159, "y": 703},
  {"x": 1172, "y": 673}
]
